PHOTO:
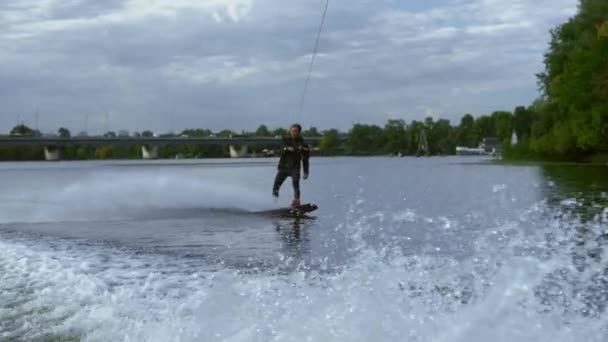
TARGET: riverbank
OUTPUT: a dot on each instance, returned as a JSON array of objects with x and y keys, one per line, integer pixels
[
  {"x": 522, "y": 153},
  {"x": 595, "y": 159}
]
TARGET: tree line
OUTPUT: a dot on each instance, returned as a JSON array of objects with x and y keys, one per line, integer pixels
[
  {"x": 392, "y": 138},
  {"x": 570, "y": 119}
]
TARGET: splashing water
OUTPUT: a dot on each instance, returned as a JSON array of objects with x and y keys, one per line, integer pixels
[
  {"x": 125, "y": 195},
  {"x": 521, "y": 284}
]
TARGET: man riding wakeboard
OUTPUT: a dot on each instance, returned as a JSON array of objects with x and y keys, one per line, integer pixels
[{"x": 294, "y": 155}]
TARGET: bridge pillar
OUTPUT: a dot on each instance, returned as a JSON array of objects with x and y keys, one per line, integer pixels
[
  {"x": 149, "y": 152},
  {"x": 234, "y": 153},
  {"x": 51, "y": 153}
]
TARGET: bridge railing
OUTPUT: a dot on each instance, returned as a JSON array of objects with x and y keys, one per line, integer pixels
[{"x": 152, "y": 141}]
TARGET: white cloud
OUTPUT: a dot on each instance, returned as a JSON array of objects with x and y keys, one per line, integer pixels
[
  {"x": 497, "y": 29},
  {"x": 234, "y": 10},
  {"x": 239, "y": 63},
  {"x": 36, "y": 17}
]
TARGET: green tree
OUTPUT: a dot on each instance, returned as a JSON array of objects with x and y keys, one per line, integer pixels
[
  {"x": 396, "y": 137},
  {"x": 575, "y": 82},
  {"x": 467, "y": 135},
  {"x": 23, "y": 130},
  {"x": 503, "y": 125},
  {"x": 522, "y": 122},
  {"x": 484, "y": 126},
  {"x": 330, "y": 142},
  {"x": 262, "y": 131},
  {"x": 441, "y": 138},
  {"x": 414, "y": 132},
  {"x": 429, "y": 123},
  {"x": 279, "y": 132},
  {"x": 105, "y": 152},
  {"x": 81, "y": 153},
  {"x": 311, "y": 132},
  {"x": 365, "y": 139},
  {"x": 226, "y": 133},
  {"x": 602, "y": 30},
  {"x": 196, "y": 133},
  {"x": 64, "y": 132}
]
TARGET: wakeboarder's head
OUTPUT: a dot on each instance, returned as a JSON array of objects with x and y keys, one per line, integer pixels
[{"x": 295, "y": 130}]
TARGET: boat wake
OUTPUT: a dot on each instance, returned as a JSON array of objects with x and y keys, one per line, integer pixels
[
  {"x": 127, "y": 196},
  {"x": 526, "y": 279}
]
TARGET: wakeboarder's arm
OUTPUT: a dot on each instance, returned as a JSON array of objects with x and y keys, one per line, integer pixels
[
  {"x": 305, "y": 159},
  {"x": 286, "y": 144}
]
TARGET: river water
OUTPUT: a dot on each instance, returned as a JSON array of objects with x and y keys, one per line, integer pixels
[{"x": 400, "y": 249}]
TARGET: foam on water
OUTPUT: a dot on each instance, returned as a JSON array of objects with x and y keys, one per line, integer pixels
[{"x": 521, "y": 284}]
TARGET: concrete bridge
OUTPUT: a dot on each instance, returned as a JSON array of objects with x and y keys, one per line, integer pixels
[{"x": 149, "y": 145}]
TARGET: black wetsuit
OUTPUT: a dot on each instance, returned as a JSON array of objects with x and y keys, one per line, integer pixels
[{"x": 294, "y": 155}]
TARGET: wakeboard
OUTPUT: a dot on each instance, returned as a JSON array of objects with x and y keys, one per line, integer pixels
[{"x": 299, "y": 211}]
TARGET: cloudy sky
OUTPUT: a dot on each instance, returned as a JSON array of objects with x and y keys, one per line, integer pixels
[{"x": 167, "y": 65}]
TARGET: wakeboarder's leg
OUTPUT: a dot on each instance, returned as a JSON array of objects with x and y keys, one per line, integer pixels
[
  {"x": 278, "y": 181},
  {"x": 295, "y": 179}
]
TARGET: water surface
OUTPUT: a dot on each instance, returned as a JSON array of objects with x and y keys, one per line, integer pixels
[{"x": 414, "y": 249}]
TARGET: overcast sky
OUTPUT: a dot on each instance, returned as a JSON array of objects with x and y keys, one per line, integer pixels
[{"x": 167, "y": 65}]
